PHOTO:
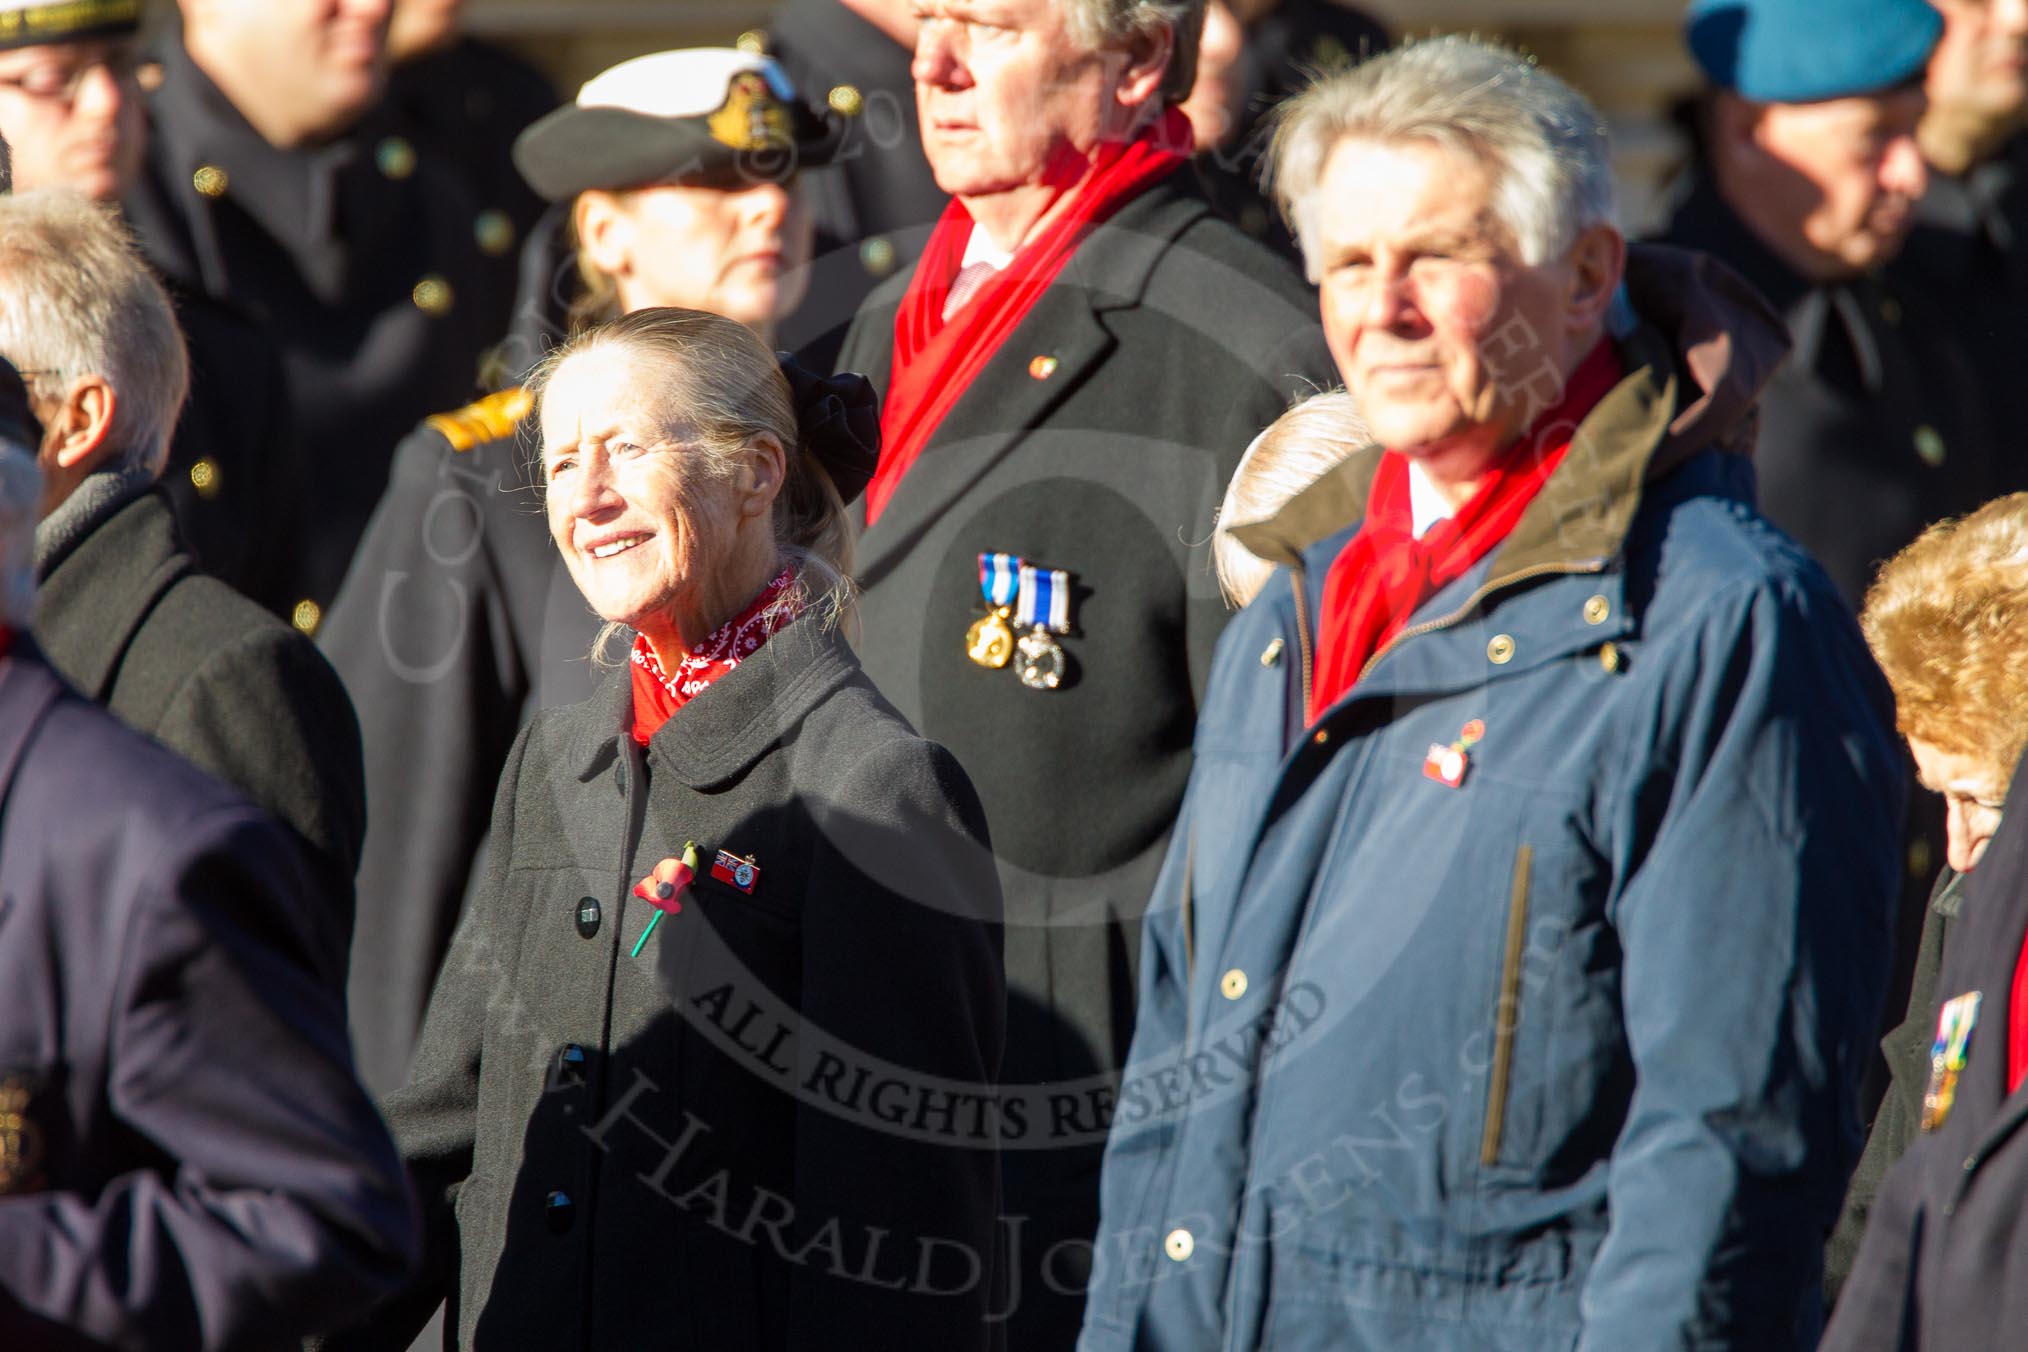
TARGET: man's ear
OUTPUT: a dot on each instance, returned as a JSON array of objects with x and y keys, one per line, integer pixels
[
  {"x": 1598, "y": 260},
  {"x": 82, "y": 422},
  {"x": 606, "y": 232},
  {"x": 1148, "y": 57}
]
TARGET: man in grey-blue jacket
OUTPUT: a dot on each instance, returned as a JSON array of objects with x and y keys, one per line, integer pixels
[{"x": 1510, "y": 975}]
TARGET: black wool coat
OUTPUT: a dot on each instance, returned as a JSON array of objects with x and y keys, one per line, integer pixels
[
  {"x": 1944, "y": 1261},
  {"x": 357, "y": 261},
  {"x": 1099, "y": 440},
  {"x": 127, "y": 617},
  {"x": 873, "y": 205},
  {"x": 457, "y": 620},
  {"x": 1906, "y": 1050},
  {"x": 770, "y": 1128},
  {"x": 1875, "y": 426},
  {"x": 186, "y": 1159}
]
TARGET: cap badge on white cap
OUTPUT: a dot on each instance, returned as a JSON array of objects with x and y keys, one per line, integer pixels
[{"x": 752, "y": 118}]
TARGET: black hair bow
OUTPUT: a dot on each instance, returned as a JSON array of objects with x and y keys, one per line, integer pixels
[{"x": 839, "y": 418}]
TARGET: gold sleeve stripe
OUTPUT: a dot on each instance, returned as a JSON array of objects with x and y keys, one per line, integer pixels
[{"x": 493, "y": 418}]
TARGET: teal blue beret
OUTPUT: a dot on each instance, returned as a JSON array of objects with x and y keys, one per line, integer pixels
[{"x": 1799, "y": 51}]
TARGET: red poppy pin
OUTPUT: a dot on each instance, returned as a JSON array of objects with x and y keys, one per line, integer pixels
[{"x": 663, "y": 889}]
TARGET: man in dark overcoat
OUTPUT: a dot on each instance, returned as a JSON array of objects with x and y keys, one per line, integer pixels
[
  {"x": 1944, "y": 1262},
  {"x": 461, "y": 101},
  {"x": 1069, "y": 377},
  {"x": 185, "y": 1157},
  {"x": 70, "y": 96},
  {"x": 874, "y": 203},
  {"x": 1806, "y": 184},
  {"x": 125, "y": 614},
  {"x": 277, "y": 185}
]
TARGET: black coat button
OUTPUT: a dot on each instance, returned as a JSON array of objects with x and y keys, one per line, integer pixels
[
  {"x": 589, "y": 913},
  {"x": 560, "y": 1211}
]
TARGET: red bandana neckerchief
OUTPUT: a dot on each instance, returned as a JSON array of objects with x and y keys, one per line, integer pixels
[
  {"x": 936, "y": 361},
  {"x": 657, "y": 694},
  {"x": 1384, "y": 573}
]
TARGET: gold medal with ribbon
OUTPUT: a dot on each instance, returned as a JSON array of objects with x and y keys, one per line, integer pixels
[{"x": 990, "y": 640}]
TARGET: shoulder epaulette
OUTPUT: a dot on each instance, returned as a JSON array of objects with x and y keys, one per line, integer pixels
[{"x": 493, "y": 418}]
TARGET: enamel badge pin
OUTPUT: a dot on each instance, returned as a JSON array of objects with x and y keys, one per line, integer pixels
[
  {"x": 734, "y": 871},
  {"x": 1447, "y": 764},
  {"x": 1947, "y": 1057}
]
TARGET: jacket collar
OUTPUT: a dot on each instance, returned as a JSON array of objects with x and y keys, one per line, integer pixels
[
  {"x": 1110, "y": 270},
  {"x": 97, "y": 595},
  {"x": 1815, "y": 311},
  {"x": 91, "y": 504},
  {"x": 1705, "y": 348},
  {"x": 731, "y": 724}
]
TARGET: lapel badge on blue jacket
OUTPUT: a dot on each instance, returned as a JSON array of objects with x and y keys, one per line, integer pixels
[
  {"x": 21, "y": 1141},
  {"x": 734, "y": 871},
  {"x": 1447, "y": 764},
  {"x": 1034, "y": 599},
  {"x": 1947, "y": 1057}
]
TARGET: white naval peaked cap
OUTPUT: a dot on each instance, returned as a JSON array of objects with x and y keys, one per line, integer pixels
[
  {"x": 711, "y": 116},
  {"x": 689, "y": 83}
]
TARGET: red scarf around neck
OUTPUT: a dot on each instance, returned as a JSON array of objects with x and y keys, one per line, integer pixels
[
  {"x": 658, "y": 693},
  {"x": 936, "y": 361},
  {"x": 1384, "y": 572}
]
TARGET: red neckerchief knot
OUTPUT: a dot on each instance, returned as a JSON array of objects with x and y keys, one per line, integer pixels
[
  {"x": 658, "y": 694},
  {"x": 1384, "y": 572}
]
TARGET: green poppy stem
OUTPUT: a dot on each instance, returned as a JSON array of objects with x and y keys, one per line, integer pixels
[{"x": 653, "y": 921}]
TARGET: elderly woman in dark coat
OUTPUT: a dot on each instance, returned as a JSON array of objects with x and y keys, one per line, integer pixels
[
  {"x": 710, "y": 1061},
  {"x": 1947, "y": 619}
]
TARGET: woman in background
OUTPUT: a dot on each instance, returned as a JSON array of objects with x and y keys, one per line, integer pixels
[{"x": 1947, "y": 619}]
